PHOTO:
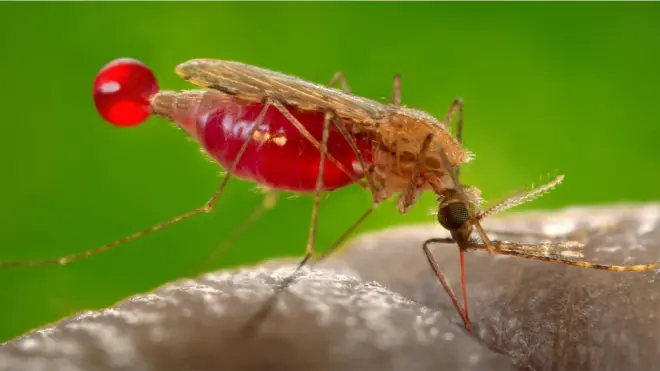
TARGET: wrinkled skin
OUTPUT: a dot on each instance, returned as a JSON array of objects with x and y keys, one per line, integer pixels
[{"x": 377, "y": 305}]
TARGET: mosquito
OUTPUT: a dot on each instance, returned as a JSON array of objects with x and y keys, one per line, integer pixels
[
  {"x": 321, "y": 138},
  {"x": 288, "y": 134},
  {"x": 411, "y": 152}
]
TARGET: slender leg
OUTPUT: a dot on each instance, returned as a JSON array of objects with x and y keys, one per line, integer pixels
[
  {"x": 396, "y": 91},
  {"x": 206, "y": 208},
  {"x": 554, "y": 253},
  {"x": 309, "y": 248},
  {"x": 456, "y": 105},
  {"x": 475, "y": 222},
  {"x": 443, "y": 281},
  {"x": 338, "y": 77},
  {"x": 260, "y": 315},
  {"x": 263, "y": 312},
  {"x": 323, "y": 148}
]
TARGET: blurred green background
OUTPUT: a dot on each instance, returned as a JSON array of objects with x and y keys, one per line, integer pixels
[{"x": 568, "y": 87}]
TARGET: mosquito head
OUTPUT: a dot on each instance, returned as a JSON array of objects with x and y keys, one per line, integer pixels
[{"x": 453, "y": 214}]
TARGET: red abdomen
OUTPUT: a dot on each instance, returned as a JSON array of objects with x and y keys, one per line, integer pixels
[{"x": 277, "y": 154}]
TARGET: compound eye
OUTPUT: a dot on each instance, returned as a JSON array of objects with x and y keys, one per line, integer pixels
[{"x": 453, "y": 215}]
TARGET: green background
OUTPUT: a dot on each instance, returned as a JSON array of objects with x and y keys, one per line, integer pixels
[{"x": 567, "y": 87}]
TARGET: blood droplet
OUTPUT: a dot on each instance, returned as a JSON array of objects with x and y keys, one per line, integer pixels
[{"x": 122, "y": 89}]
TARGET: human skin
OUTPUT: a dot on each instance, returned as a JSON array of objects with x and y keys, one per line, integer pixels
[{"x": 377, "y": 305}]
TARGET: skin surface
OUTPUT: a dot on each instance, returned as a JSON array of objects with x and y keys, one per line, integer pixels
[{"x": 377, "y": 305}]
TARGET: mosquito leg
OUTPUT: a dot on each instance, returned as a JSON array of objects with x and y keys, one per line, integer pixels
[
  {"x": 474, "y": 218},
  {"x": 207, "y": 208},
  {"x": 263, "y": 312},
  {"x": 456, "y": 105},
  {"x": 323, "y": 150},
  {"x": 396, "y": 91},
  {"x": 532, "y": 251},
  {"x": 338, "y": 77},
  {"x": 351, "y": 141},
  {"x": 311, "y": 239},
  {"x": 268, "y": 202},
  {"x": 443, "y": 281}
]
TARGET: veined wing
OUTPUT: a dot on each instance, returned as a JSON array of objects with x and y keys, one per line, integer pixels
[{"x": 254, "y": 84}]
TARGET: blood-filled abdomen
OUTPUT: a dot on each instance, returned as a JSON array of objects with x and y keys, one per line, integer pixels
[{"x": 277, "y": 155}]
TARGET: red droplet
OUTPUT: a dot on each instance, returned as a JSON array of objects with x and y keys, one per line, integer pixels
[{"x": 122, "y": 90}]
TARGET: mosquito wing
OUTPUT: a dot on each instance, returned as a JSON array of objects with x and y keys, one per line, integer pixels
[{"x": 254, "y": 84}]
